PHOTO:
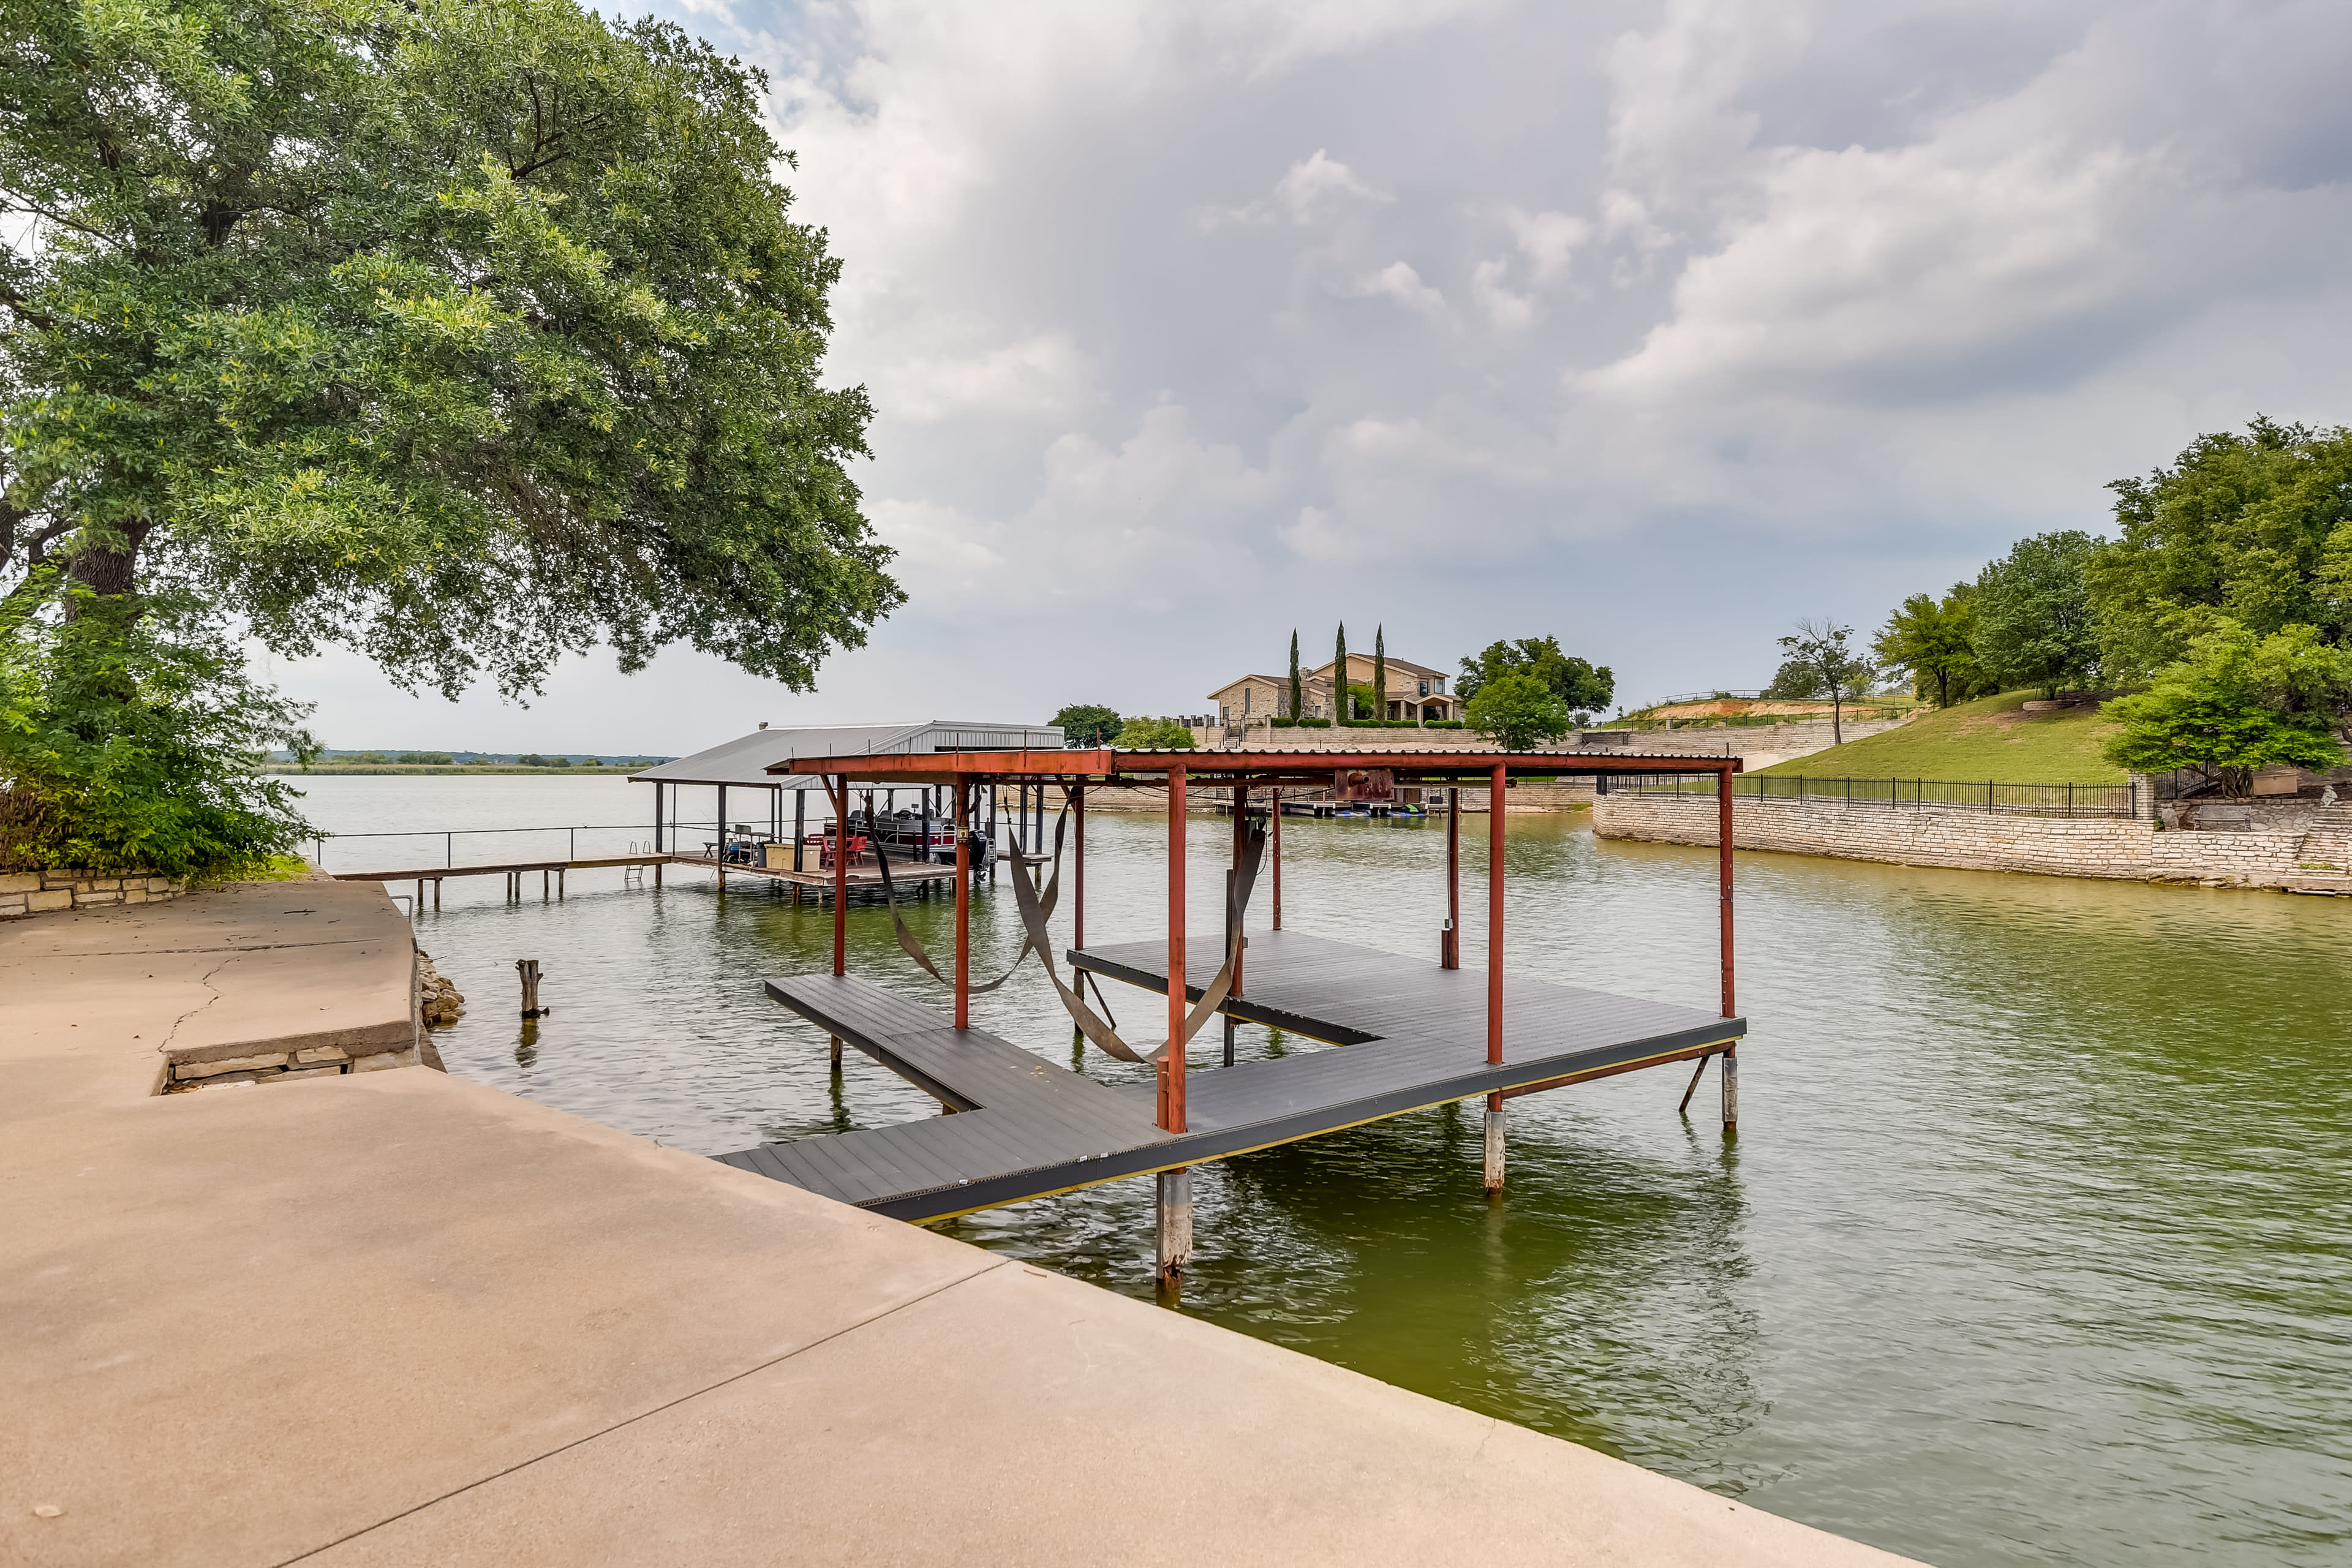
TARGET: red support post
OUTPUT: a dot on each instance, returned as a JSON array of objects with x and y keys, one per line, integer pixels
[
  {"x": 1277, "y": 856},
  {"x": 1078, "y": 863},
  {"x": 840, "y": 874},
  {"x": 1724, "y": 835},
  {"x": 1495, "y": 923},
  {"x": 1171, "y": 1066},
  {"x": 1723, "y": 838},
  {"x": 1450, "y": 954},
  {"x": 1241, "y": 826},
  {"x": 963, "y": 903}
]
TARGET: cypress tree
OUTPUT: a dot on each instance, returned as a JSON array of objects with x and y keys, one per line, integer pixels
[
  {"x": 1340, "y": 715},
  {"x": 1297, "y": 687},
  {"x": 1381, "y": 671}
]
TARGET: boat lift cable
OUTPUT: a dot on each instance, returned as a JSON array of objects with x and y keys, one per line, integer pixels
[
  {"x": 913, "y": 944},
  {"x": 1034, "y": 915}
]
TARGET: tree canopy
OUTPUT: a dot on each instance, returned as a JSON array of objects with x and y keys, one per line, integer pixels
[
  {"x": 1142, "y": 733},
  {"x": 1517, "y": 711},
  {"x": 2034, "y": 624},
  {"x": 1818, "y": 654},
  {"x": 469, "y": 335},
  {"x": 2257, "y": 528},
  {"x": 1083, "y": 724},
  {"x": 1931, "y": 642},
  {"x": 2236, "y": 703},
  {"x": 1579, "y": 685}
]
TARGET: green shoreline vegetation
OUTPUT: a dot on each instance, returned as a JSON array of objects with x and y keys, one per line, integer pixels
[{"x": 1988, "y": 738}]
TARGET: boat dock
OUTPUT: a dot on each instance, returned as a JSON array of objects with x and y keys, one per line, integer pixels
[
  {"x": 1414, "y": 1035},
  {"x": 1408, "y": 1033}
]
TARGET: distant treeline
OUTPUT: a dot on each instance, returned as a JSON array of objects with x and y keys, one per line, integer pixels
[{"x": 470, "y": 758}]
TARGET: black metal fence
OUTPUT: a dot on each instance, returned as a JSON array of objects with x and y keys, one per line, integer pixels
[{"x": 1991, "y": 794}]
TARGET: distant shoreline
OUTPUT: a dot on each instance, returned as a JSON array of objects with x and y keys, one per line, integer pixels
[{"x": 455, "y": 770}]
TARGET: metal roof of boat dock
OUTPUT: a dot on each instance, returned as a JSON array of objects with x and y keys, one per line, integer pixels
[
  {"x": 1261, "y": 764},
  {"x": 755, "y": 759}
]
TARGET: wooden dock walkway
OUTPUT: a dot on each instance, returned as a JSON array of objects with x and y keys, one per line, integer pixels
[
  {"x": 906, "y": 873},
  {"x": 1415, "y": 1037}
]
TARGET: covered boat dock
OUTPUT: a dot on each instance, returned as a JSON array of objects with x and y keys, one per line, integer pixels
[
  {"x": 784, "y": 844},
  {"x": 1413, "y": 1037}
]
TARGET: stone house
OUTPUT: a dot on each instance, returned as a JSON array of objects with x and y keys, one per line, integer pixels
[{"x": 1416, "y": 692}]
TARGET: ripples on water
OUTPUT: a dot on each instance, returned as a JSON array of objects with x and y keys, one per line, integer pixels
[{"x": 2033, "y": 1248}]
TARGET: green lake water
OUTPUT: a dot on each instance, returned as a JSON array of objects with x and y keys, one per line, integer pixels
[{"x": 2033, "y": 1246}]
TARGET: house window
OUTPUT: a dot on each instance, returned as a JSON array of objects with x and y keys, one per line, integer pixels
[
  {"x": 1247, "y": 693},
  {"x": 1425, "y": 688}
]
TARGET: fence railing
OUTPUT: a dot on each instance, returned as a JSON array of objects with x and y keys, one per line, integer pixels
[
  {"x": 450, "y": 837},
  {"x": 1991, "y": 794}
]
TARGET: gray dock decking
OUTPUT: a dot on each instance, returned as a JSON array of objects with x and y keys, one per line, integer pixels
[{"x": 1416, "y": 1036}]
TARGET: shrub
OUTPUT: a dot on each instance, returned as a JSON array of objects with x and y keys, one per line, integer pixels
[
  {"x": 132, "y": 737},
  {"x": 1142, "y": 734},
  {"x": 2238, "y": 703}
]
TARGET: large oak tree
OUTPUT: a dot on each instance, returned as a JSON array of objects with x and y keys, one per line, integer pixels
[{"x": 466, "y": 333}]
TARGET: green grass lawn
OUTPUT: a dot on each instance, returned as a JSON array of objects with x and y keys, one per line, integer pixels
[{"x": 1991, "y": 737}]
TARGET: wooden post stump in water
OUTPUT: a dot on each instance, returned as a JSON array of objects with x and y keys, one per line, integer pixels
[
  {"x": 1494, "y": 1144},
  {"x": 529, "y": 969},
  {"x": 836, "y": 1052},
  {"x": 1175, "y": 1224},
  {"x": 1731, "y": 1090}
]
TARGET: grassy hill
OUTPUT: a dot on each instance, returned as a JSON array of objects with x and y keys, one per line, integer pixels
[{"x": 1991, "y": 737}]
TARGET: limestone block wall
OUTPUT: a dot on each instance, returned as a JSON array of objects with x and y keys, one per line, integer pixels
[
  {"x": 38, "y": 892},
  {"x": 1965, "y": 840},
  {"x": 2259, "y": 859},
  {"x": 1907, "y": 836}
]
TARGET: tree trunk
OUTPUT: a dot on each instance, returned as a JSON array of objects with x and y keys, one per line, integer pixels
[{"x": 107, "y": 569}]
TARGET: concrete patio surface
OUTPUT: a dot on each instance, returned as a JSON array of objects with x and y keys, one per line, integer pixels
[
  {"x": 397, "y": 1318},
  {"x": 91, "y": 1001}
]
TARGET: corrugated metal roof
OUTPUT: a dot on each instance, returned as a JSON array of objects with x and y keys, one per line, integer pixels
[{"x": 746, "y": 759}]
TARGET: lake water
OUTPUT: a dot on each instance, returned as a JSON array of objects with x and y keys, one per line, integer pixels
[{"x": 2033, "y": 1246}]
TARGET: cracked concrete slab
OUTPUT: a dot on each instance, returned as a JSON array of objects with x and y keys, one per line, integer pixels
[{"x": 90, "y": 1000}]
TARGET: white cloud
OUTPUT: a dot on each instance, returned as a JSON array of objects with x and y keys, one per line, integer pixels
[
  {"x": 1885, "y": 286},
  {"x": 1547, "y": 240},
  {"x": 1398, "y": 281},
  {"x": 1495, "y": 299},
  {"x": 1308, "y": 190},
  {"x": 1041, "y": 373}
]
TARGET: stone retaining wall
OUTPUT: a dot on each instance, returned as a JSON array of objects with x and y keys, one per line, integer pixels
[
  {"x": 1965, "y": 840},
  {"x": 37, "y": 892}
]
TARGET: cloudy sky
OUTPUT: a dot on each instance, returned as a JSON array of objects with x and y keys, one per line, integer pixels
[{"x": 1653, "y": 326}]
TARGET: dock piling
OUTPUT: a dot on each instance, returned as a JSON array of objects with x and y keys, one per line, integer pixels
[
  {"x": 1731, "y": 1091},
  {"x": 1175, "y": 1224},
  {"x": 1493, "y": 1144},
  {"x": 528, "y": 968}
]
